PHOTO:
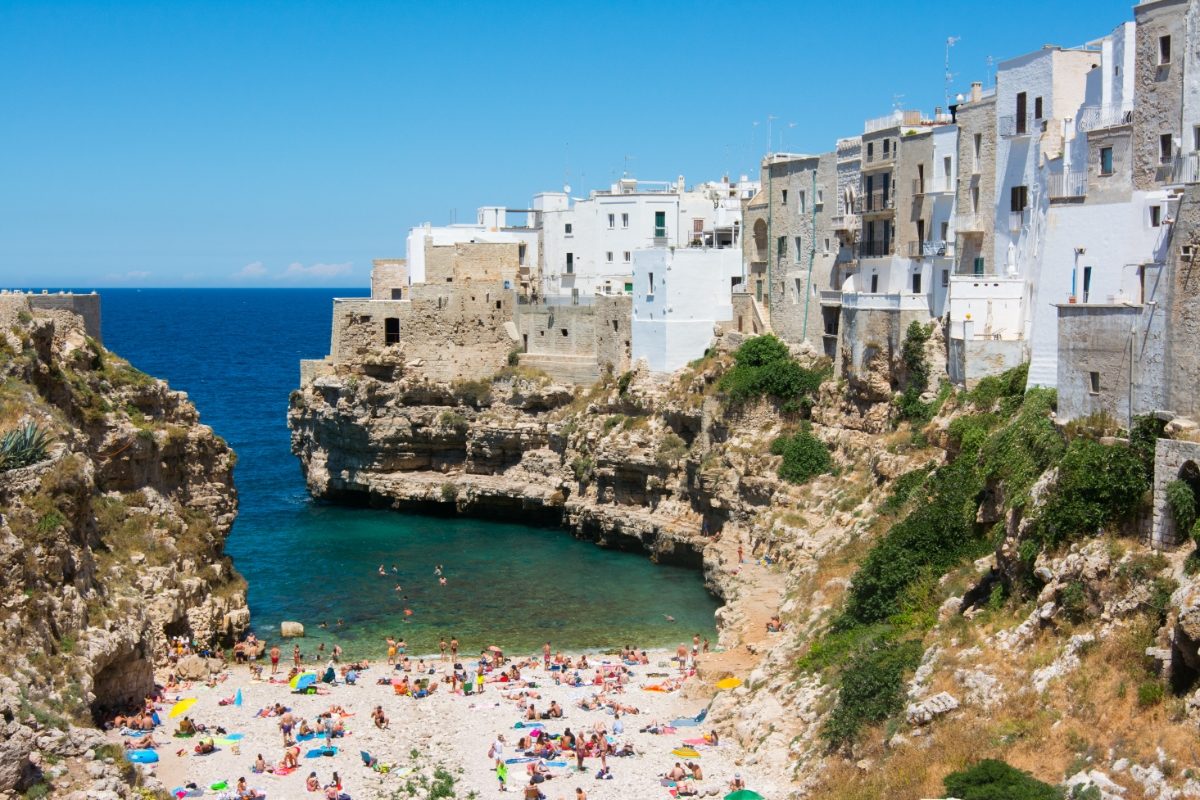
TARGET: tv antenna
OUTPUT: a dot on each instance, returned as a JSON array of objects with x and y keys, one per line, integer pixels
[
  {"x": 950, "y": 42},
  {"x": 628, "y": 158}
]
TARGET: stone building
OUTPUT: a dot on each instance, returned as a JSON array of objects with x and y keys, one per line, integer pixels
[
  {"x": 793, "y": 214},
  {"x": 85, "y": 306},
  {"x": 492, "y": 225},
  {"x": 575, "y": 340}
]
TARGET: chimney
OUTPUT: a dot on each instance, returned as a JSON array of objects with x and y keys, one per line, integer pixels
[{"x": 976, "y": 91}]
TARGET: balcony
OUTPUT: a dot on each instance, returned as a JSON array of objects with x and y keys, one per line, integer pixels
[
  {"x": 938, "y": 185},
  {"x": 1018, "y": 220},
  {"x": 829, "y": 298},
  {"x": 969, "y": 222},
  {"x": 1184, "y": 169},
  {"x": 1068, "y": 185},
  {"x": 931, "y": 249},
  {"x": 875, "y": 157},
  {"x": 1095, "y": 118},
  {"x": 874, "y": 249},
  {"x": 1026, "y": 125},
  {"x": 877, "y": 201},
  {"x": 885, "y": 302}
]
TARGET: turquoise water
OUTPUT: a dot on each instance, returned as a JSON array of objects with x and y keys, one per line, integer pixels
[{"x": 236, "y": 353}]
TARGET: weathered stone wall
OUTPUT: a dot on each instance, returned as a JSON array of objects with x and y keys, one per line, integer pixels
[
  {"x": 472, "y": 261},
  {"x": 1123, "y": 345},
  {"x": 613, "y": 344},
  {"x": 576, "y": 343},
  {"x": 1170, "y": 455},
  {"x": 566, "y": 330},
  {"x": 976, "y": 232},
  {"x": 968, "y": 361},
  {"x": 1183, "y": 307},
  {"x": 1159, "y": 88},
  {"x": 86, "y": 306},
  {"x": 916, "y": 153},
  {"x": 869, "y": 335},
  {"x": 1115, "y": 187},
  {"x": 389, "y": 279}
]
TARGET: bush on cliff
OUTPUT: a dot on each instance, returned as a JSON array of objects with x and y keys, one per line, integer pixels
[
  {"x": 996, "y": 780},
  {"x": 872, "y": 688},
  {"x": 804, "y": 457},
  {"x": 763, "y": 367}
]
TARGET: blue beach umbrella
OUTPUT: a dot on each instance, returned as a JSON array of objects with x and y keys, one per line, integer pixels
[
  {"x": 237, "y": 699},
  {"x": 304, "y": 681}
]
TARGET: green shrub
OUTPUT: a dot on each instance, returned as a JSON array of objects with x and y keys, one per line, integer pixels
[
  {"x": 454, "y": 421},
  {"x": 474, "y": 393},
  {"x": 449, "y": 492},
  {"x": 1074, "y": 602},
  {"x": 671, "y": 449},
  {"x": 763, "y": 367},
  {"x": 1181, "y": 499},
  {"x": 872, "y": 688},
  {"x": 904, "y": 487},
  {"x": 804, "y": 457},
  {"x": 582, "y": 467},
  {"x": 995, "y": 780},
  {"x": 623, "y": 382},
  {"x": 916, "y": 368},
  {"x": 1150, "y": 693},
  {"x": 1097, "y": 484},
  {"x": 1010, "y": 384}
]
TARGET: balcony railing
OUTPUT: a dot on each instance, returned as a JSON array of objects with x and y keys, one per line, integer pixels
[
  {"x": 1067, "y": 185},
  {"x": 875, "y": 249},
  {"x": 935, "y": 185},
  {"x": 1094, "y": 118},
  {"x": 876, "y": 156},
  {"x": 1027, "y": 125},
  {"x": 878, "y": 200},
  {"x": 892, "y": 302},
  {"x": 931, "y": 249},
  {"x": 1185, "y": 169},
  {"x": 1017, "y": 220},
  {"x": 968, "y": 222},
  {"x": 831, "y": 298}
]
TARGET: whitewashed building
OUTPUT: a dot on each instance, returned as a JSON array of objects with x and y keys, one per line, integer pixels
[
  {"x": 679, "y": 296},
  {"x": 588, "y": 244},
  {"x": 491, "y": 226}
]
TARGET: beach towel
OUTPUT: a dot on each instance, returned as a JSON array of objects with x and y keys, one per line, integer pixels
[
  {"x": 318, "y": 752},
  {"x": 521, "y": 760},
  {"x": 305, "y": 737}
]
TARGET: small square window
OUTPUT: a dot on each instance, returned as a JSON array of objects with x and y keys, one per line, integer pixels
[
  {"x": 1164, "y": 50},
  {"x": 563, "y": 331},
  {"x": 1094, "y": 382},
  {"x": 567, "y": 229},
  {"x": 1106, "y": 161}
]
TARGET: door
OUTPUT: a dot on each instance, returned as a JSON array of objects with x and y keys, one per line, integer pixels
[
  {"x": 660, "y": 224},
  {"x": 1087, "y": 282},
  {"x": 1021, "y": 111}
]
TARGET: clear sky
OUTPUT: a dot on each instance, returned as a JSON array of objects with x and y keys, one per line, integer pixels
[{"x": 276, "y": 144}]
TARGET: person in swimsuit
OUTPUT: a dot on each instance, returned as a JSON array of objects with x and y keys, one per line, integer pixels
[
  {"x": 274, "y": 660},
  {"x": 296, "y": 655},
  {"x": 453, "y": 648},
  {"x": 442, "y": 646},
  {"x": 391, "y": 650}
]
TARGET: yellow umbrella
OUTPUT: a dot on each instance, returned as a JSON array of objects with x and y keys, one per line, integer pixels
[
  {"x": 729, "y": 683},
  {"x": 182, "y": 706}
]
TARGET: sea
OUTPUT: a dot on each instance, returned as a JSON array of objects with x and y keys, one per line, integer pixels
[{"x": 236, "y": 353}]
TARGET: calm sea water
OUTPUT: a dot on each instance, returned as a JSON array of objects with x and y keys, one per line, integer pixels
[{"x": 236, "y": 353}]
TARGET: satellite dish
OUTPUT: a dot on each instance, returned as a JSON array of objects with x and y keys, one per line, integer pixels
[{"x": 566, "y": 188}]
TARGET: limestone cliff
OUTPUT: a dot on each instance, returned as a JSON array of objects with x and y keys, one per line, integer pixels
[{"x": 110, "y": 543}]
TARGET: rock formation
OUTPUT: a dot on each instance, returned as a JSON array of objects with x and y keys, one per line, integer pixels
[{"x": 110, "y": 544}]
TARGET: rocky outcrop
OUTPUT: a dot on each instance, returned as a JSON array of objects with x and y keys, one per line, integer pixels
[{"x": 109, "y": 545}]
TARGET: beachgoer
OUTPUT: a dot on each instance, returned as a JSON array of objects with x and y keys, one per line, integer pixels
[
  {"x": 260, "y": 765},
  {"x": 381, "y": 570},
  {"x": 502, "y": 775},
  {"x": 274, "y": 659},
  {"x": 291, "y": 757},
  {"x": 442, "y": 647},
  {"x": 296, "y": 655},
  {"x": 741, "y": 554},
  {"x": 697, "y": 773},
  {"x": 580, "y": 794},
  {"x": 546, "y": 654},
  {"x": 391, "y": 650},
  {"x": 737, "y": 782},
  {"x": 453, "y": 648},
  {"x": 496, "y": 751},
  {"x": 704, "y": 648},
  {"x": 312, "y": 782}
]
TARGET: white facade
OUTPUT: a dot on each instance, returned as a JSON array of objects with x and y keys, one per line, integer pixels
[
  {"x": 588, "y": 245},
  {"x": 490, "y": 226},
  {"x": 679, "y": 296}
]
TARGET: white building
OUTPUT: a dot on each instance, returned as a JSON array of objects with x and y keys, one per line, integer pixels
[
  {"x": 679, "y": 295},
  {"x": 491, "y": 225},
  {"x": 588, "y": 244}
]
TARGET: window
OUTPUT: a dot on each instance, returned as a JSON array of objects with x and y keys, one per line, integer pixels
[
  {"x": 660, "y": 224},
  {"x": 785, "y": 194},
  {"x": 978, "y": 265},
  {"x": 624, "y": 220},
  {"x": 616, "y": 326},
  {"x": 799, "y": 247},
  {"x": 1019, "y": 198},
  {"x": 803, "y": 202},
  {"x": 947, "y": 171},
  {"x": 945, "y": 278},
  {"x": 1106, "y": 161},
  {"x": 874, "y": 283},
  {"x": 650, "y": 283},
  {"x": 1155, "y": 216},
  {"x": 977, "y": 151},
  {"x": 391, "y": 330},
  {"x": 974, "y": 199},
  {"x": 521, "y": 254},
  {"x": 1037, "y": 108},
  {"x": 870, "y": 151},
  {"x": 397, "y": 294},
  {"x": 612, "y": 221},
  {"x": 627, "y": 261},
  {"x": 567, "y": 229},
  {"x": 796, "y": 294},
  {"x": 945, "y": 231},
  {"x": 563, "y": 331},
  {"x": 629, "y": 288},
  {"x": 1094, "y": 382},
  {"x": 826, "y": 245},
  {"x": 1166, "y": 148},
  {"x": 570, "y": 263},
  {"x": 608, "y": 256},
  {"x": 1022, "y": 107},
  {"x": 887, "y": 145},
  {"x": 781, "y": 248},
  {"x": 916, "y": 283},
  {"x": 1164, "y": 50},
  {"x": 1196, "y": 138},
  {"x": 820, "y": 201}
]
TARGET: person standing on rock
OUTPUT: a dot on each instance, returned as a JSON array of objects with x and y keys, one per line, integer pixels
[{"x": 274, "y": 659}]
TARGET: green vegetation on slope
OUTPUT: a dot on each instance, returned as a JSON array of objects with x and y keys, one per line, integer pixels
[{"x": 763, "y": 367}]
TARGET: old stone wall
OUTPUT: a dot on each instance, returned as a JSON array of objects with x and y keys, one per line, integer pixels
[
  {"x": 976, "y": 229},
  {"x": 968, "y": 361},
  {"x": 1159, "y": 87},
  {"x": 1183, "y": 307},
  {"x": 1117, "y": 346},
  {"x": 389, "y": 279},
  {"x": 1170, "y": 456},
  {"x": 1116, "y": 186},
  {"x": 916, "y": 153},
  {"x": 472, "y": 261},
  {"x": 576, "y": 343},
  {"x": 567, "y": 330},
  {"x": 613, "y": 343},
  {"x": 86, "y": 306}
]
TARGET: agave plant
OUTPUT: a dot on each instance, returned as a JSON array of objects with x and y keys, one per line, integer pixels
[{"x": 24, "y": 445}]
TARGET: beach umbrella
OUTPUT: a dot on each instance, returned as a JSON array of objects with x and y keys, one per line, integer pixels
[
  {"x": 182, "y": 706},
  {"x": 302, "y": 682},
  {"x": 495, "y": 649},
  {"x": 237, "y": 699},
  {"x": 744, "y": 794},
  {"x": 729, "y": 683}
]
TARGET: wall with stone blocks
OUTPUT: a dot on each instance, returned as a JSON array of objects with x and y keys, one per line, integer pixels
[
  {"x": 86, "y": 306},
  {"x": 389, "y": 279},
  {"x": 1170, "y": 455}
]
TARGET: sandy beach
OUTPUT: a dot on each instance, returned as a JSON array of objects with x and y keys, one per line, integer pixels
[{"x": 446, "y": 730}]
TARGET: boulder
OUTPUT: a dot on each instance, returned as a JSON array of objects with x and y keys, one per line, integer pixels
[
  {"x": 289, "y": 630},
  {"x": 924, "y": 712},
  {"x": 192, "y": 668}
]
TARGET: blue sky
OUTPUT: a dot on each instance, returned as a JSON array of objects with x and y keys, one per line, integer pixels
[{"x": 280, "y": 144}]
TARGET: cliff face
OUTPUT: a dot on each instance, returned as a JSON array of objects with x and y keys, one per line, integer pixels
[{"x": 110, "y": 543}]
